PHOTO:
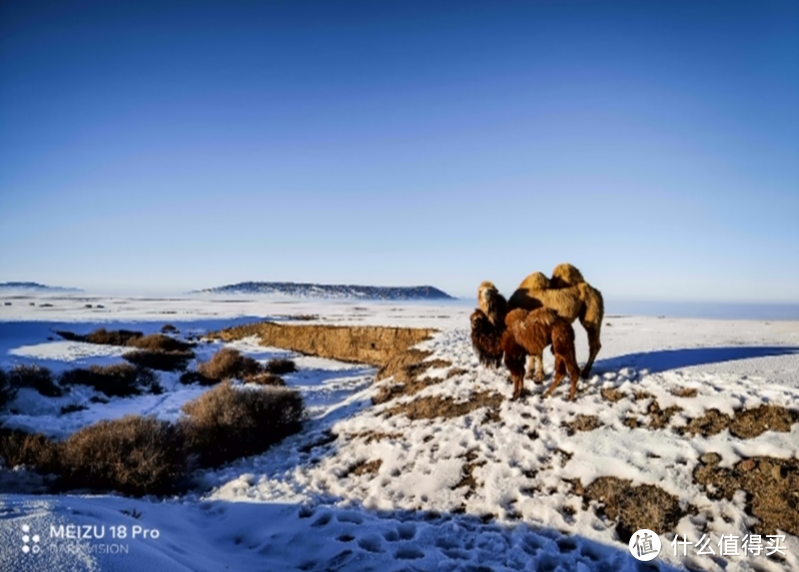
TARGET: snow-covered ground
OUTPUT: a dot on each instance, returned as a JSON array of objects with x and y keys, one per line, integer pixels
[{"x": 306, "y": 505}]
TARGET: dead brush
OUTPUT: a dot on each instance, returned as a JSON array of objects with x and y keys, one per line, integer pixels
[
  {"x": 229, "y": 363},
  {"x": 133, "y": 455},
  {"x": 36, "y": 377},
  {"x": 229, "y": 422}
]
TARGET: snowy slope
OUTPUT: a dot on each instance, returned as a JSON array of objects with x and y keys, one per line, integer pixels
[{"x": 302, "y": 506}]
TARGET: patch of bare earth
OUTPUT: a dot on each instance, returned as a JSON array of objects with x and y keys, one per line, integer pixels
[
  {"x": 374, "y": 436},
  {"x": 611, "y": 394},
  {"x": 684, "y": 392},
  {"x": 659, "y": 418},
  {"x": 771, "y": 486},
  {"x": 365, "y": 468},
  {"x": 410, "y": 380},
  {"x": 582, "y": 423},
  {"x": 632, "y": 507},
  {"x": 434, "y": 406},
  {"x": 744, "y": 424}
]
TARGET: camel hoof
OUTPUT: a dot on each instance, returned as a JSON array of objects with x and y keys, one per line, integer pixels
[
  {"x": 538, "y": 380},
  {"x": 585, "y": 374}
]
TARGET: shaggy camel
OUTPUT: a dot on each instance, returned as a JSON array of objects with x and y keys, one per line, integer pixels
[
  {"x": 487, "y": 339},
  {"x": 568, "y": 294},
  {"x": 488, "y": 325},
  {"x": 529, "y": 332}
]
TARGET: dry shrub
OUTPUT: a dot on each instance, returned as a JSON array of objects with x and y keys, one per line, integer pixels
[
  {"x": 160, "y": 360},
  {"x": 119, "y": 380},
  {"x": 7, "y": 391},
  {"x": 188, "y": 377},
  {"x": 228, "y": 363},
  {"x": 18, "y": 448},
  {"x": 103, "y": 337},
  {"x": 280, "y": 366},
  {"x": 162, "y": 343},
  {"x": 228, "y": 422},
  {"x": 133, "y": 455},
  {"x": 36, "y": 377},
  {"x": 266, "y": 378}
]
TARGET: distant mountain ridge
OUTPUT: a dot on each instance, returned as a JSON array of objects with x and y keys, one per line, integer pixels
[
  {"x": 35, "y": 286},
  {"x": 338, "y": 291}
]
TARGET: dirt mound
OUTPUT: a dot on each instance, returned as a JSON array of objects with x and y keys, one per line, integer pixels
[
  {"x": 771, "y": 486},
  {"x": 632, "y": 507},
  {"x": 435, "y": 406},
  {"x": 745, "y": 424}
]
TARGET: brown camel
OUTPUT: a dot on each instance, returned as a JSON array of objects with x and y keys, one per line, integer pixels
[{"x": 529, "y": 332}]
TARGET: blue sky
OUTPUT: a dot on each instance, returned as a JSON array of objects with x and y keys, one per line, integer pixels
[{"x": 178, "y": 145}]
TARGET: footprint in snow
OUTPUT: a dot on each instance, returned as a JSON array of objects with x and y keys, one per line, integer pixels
[
  {"x": 408, "y": 553},
  {"x": 371, "y": 544},
  {"x": 406, "y": 531},
  {"x": 322, "y": 520}
]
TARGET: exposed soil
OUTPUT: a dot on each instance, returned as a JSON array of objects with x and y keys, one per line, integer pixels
[
  {"x": 435, "y": 406},
  {"x": 582, "y": 423},
  {"x": 370, "y": 436},
  {"x": 366, "y": 467},
  {"x": 659, "y": 418},
  {"x": 745, "y": 424},
  {"x": 771, "y": 486},
  {"x": 684, "y": 392},
  {"x": 373, "y": 345},
  {"x": 632, "y": 507},
  {"x": 468, "y": 479},
  {"x": 611, "y": 394}
]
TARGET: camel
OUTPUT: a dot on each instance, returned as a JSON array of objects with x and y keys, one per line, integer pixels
[
  {"x": 566, "y": 292},
  {"x": 529, "y": 332}
]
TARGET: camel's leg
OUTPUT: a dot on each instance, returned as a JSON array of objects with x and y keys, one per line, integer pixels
[
  {"x": 518, "y": 386},
  {"x": 559, "y": 374},
  {"x": 574, "y": 373},
  {"x": 593, "y": 346},
  {"x": 539, "y": 376},
  {"x": 531, "y": 368}
]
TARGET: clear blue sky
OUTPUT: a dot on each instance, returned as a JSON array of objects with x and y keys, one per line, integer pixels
[{"x": 190, "y": 144}]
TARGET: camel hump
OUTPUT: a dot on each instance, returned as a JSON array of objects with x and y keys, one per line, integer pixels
[
  {"x": 544, "y": 316},
  {"x": 566, "y": 275},
  {"x": 535, "y": 281},
  {"x": 514, "y": 316}
]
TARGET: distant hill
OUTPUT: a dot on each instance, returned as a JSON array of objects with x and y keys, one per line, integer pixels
[
  {"x": 35, "y": 286},
  {"x": 338, "y": 291}
]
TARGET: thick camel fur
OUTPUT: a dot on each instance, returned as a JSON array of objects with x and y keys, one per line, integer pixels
[
  {"x": 493, "y": 304},
  {"x": 568, "y": 294},
  {"x": 487, "y": 339},
  {"x": 529, "y": 332}
]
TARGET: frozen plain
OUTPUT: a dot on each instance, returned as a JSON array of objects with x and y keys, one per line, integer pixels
[{"x": 300, "y": 506}]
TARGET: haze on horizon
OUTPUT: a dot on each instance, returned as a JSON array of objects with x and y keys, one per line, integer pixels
[{"x": 184, "y": 145}]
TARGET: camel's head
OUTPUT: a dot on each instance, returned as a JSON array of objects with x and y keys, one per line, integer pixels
[{"x": 485, "y": 293}]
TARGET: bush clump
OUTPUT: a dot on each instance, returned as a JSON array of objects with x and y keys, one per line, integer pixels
[
  {"x": 118, "y": 380},
  {"x": 162, "y": 343},
  {"x": 188, "y": 377},
  {"x": 18, "y": 448},
  {"x": 162, "y": 361},
  {"x": 169, "y": 329},
  {"x": 228, "y": 363},
  {"x": 134, "y": 455},
  {"x": 36, "y": 377},
  {"x": 7, "y": 390},
  {"x": 226, "y": 422},
  {"x": 266, "y": 378},
  {"x": 280, "y": 366},
  {"x": 103, "y": 337}
]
